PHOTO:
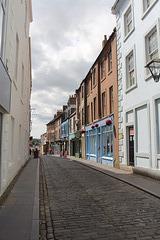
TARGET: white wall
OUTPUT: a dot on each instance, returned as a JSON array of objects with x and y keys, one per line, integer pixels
[
  {"x": 15, "y": 145},
  {"x": 137, "y": 106}
]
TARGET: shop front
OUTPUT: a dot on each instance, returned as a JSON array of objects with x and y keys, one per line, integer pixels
[
  {"x": 100, "y": 142},
  {"x": 75, "y": 144}
]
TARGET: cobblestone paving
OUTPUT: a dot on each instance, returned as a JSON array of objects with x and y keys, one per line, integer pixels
[{"x": 86, "y": 204}]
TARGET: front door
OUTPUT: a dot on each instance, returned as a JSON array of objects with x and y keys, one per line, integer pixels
[{"x": 131, "y": 146}]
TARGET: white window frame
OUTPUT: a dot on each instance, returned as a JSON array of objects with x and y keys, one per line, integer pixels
[
  {"x": 128, "y": 33},
  {"x": 128, "y": 86},
  {"x": 156, "y": 25},
  {"x": 147, "y": 9}
]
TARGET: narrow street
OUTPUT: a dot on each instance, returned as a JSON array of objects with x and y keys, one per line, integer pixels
[{"x": 80, "y": 203}]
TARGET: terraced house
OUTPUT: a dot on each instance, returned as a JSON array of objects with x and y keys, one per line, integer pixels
[
  {"x": 138, "y": 43},
  {"x": 101, "y": 101}
]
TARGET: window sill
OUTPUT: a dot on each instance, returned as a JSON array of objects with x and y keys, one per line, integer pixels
[
  {"x": 110, "y": 72},
  {"x": 103, "y": 79},
  {"x": 130, "y": 88},
  {"x": 127, "y": 36}
]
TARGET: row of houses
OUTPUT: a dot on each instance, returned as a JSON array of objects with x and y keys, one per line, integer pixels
[
  {"x": 115, "y": 117},
  {"x": 15, "y": 87}
]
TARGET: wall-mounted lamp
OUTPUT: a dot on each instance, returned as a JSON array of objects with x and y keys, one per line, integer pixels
[{"x": 154, "y": 68}]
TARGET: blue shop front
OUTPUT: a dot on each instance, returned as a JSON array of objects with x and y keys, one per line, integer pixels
[{"x": 100, "y": 142}]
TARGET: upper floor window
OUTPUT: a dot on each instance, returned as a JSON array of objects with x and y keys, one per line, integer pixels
[
  {"x": 111, "y": 99},
  {"x": 103, "y": 69},
  {"x": 130, "y": 70},
  {"x": 110, "y": 60},
  {"x": 103, "y": 104},
  {"x": 147, "y": 4},
  {"x": 87, "y": 87},
  {"x": 87, "y": 114},
  {"x": 82, "y": 91},
  {"x": 95, "y": 108},
  {"x": 2, "y": 25},
  {"x": 128, "y": 21},
  {"x": 94, "y": 77},
  {"x": 151, "y": 45}
]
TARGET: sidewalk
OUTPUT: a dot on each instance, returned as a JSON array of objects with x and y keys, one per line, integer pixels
[{"x": 19, "y": 216}]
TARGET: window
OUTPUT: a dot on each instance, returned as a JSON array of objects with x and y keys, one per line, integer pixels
[
  {"x": 82, "y": 117},
  {"x": 157, "y": 104},
  {"x": 94, "y": 77},
  {"x": 152, "y": 45},
  {"x": 95, "y": 108},
  {"x": 82, "y": 91},
  {"x": 2, "y": 25},
  {"x": 93, "y": 141},
  {"x": 103, "y": 69},
  {"x": 128, "y": 21},
  {"x": 110, "y": 61},
  {"x": 87, "y": 114},
  {"x": 87, "y": 87},
  {"x": 103, "y": 104},
  {"x": 130, "y": 71},
  {"x": 147, "y": 4},
  {"x": 91, "y": 111},
  {"x": 111, "y": 99},
  {"x": 108, "y": 140},
  {"x": 74, "y": 123},
  {"x": 91, "y": 82}
]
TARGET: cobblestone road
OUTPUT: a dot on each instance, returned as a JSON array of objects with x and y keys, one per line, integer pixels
[{"x": 80, "y": 203}]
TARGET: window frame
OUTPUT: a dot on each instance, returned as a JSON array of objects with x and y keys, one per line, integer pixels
[
  {"x": 145, "y": 11},
  {"x": 103, "y": 69},
  {"x": 110, "y": 63},
  {"x": 104, "y": 104},
  {"x": 146, "y": 36},
  {"x": 111, "y": 100},
  {"x": 128, "y": 86},
  {"x": 128, "y": 33}
]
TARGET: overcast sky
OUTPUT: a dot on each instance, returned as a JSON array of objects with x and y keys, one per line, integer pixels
[{"x": 66, "y": 39}]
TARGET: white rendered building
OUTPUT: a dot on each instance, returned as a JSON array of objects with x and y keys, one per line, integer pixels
[
  {"x": 15, "y": 87},
  {"x": 138, "y": 41}
]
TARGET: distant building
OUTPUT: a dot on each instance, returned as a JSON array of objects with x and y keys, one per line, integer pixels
[
  {"x": 71, "y": 107},
  {"x": 43, "y": 150},
  {"x": 138, "y": 42},
  {"x": 15, "y": 87}
]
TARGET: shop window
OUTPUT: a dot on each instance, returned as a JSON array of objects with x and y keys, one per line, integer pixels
[
  {"x": 93, "y": 142},
  {"x": 108, "y": 141}
]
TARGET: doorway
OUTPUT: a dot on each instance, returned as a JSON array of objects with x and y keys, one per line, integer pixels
[{"x": 131, "y": 146}]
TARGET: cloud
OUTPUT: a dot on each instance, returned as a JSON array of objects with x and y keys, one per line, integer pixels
[{"x": 66, "y": 39}]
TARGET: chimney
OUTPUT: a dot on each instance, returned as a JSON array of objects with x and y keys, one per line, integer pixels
[{"x": 104, "y": 41}]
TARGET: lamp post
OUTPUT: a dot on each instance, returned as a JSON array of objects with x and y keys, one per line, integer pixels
[{"x": 154, "y": 68}]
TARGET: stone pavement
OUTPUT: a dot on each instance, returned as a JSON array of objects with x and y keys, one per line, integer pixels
[
  {"x": 19, "y": 215},
  {"x": 84, "y": 204},
  {"x": 149, "y": 185}
]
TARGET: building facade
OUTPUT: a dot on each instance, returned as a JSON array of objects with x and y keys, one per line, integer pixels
[
  {"x": 15, "y": 90},
  {"x": 138, "y": 42},
  {"x": 81, "y": 120},
  {"x": 101, "y": 110}
]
